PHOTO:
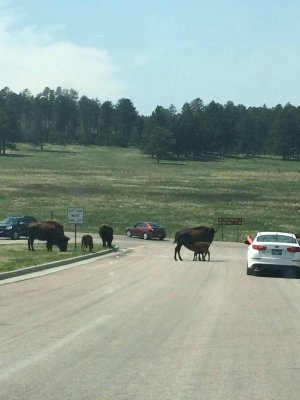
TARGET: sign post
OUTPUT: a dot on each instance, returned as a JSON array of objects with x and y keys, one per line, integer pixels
[
  {"x": 75, "y": 216},
  {"x": 231, "y": 221}
]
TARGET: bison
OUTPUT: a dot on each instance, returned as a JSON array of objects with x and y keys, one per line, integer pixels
[
  {"x": 87, "y": 242},
  {"x": 49, "y": 231},
  {"x": 200, "y": 249},
  {"x": 189, "y": 236},
  {"x": 106, "y": 235}
]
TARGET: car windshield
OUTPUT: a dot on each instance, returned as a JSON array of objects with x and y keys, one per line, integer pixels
[
  {"x": 155, "y": 225},
  {"x": 10, "y": 220},
  {"x": 276, "y": 238}
]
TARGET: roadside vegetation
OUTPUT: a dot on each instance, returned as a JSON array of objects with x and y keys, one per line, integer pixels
[
  {"x": 121, "y": 186},
  {"x": 17, "y": 256}
]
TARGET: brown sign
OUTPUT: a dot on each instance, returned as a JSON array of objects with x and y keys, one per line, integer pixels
[{"x": 230, "y": 221}]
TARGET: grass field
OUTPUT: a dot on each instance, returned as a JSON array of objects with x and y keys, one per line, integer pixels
[
  {"x": 123, "y": 186},
  {"x": 15, "y": 256}
]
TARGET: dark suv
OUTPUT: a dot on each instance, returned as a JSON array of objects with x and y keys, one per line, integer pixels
[{"x": 14, "y": 227}]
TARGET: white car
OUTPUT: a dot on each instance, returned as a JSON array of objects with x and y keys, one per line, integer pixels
[{"x": 273, "y": 251}]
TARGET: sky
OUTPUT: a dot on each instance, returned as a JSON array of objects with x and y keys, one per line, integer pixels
[{"x": 154, "y": 52}]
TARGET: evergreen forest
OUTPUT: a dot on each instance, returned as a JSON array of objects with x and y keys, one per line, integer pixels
[{"x": 198, "y": 130}]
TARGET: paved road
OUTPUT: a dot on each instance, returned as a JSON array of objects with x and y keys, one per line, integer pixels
[{"x": 141, "y": 326}]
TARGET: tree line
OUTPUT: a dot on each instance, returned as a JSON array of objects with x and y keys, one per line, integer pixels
[{"x": 61, "y": 117}]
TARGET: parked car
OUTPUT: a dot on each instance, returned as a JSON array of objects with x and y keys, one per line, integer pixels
[
  {"x": 15, "y": 227},
  {"x": 147, "y": 230},
  {"x": 273, "y": 251}
]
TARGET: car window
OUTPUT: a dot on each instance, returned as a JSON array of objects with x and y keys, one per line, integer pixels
[
  {"x": 265, "y": 238},
  {"x": 28, "y": 220},
  {"x": 287, "y": 239},
  {"x": 18, "y": 220},
  {"x": 10, "y": 220},
  {"x": 276, "y": 238},
  {"x": 155, "y": 225}
]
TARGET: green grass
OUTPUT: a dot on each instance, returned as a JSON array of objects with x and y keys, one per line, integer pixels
[
  {"x": 123, "y": 186},
  {"x": 16, "y": 256}
]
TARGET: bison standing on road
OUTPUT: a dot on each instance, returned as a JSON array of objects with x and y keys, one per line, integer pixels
[
  {"x": 87, "y": 242},
  {"x": 189, "y": 236},
  {"x": 106, "y": 234},
  {"x": 49, "y": 231}
]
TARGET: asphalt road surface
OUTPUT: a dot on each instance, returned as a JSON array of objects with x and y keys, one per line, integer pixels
[{"x": 139, "y": 325}]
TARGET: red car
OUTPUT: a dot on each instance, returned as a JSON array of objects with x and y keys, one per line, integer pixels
[{"x": 147, "y": 230}]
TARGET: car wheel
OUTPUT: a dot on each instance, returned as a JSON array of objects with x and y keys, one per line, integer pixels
[
  {"x": 249, "y": 271},
  {"x": 128, "y": 233},
  {"x": 15, "y": 235},
  {"x": 145, "y": 236},
  {"x": 161, "y": 238}
]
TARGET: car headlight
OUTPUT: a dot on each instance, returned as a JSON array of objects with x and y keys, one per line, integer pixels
[{"x": 9, "y": 227}]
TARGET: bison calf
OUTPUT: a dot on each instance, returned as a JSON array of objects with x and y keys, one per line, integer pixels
[
  {"x": 87, "y": 242},
  {"x": 200, "y": 249}
]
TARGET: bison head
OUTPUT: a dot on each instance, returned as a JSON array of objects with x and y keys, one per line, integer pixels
[{"x": 63, "y": 243}]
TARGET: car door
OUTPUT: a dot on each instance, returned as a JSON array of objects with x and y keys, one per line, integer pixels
[
  {"x": 21, "y": 227},
  {"x": 139, "y": 229}
]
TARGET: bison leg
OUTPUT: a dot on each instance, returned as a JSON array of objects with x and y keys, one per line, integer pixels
[
  {"x": 204, "y": 254},
  {"x": 195, "y": 257},
  {"x": 30, "y": 244},
  {"x": 177, "y": 251},
  {"x": 49, "y": 245}
]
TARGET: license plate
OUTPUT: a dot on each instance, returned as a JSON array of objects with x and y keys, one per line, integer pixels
[{"x": 276, "y": 252}]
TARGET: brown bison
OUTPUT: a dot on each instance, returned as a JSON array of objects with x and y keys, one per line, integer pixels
[
  {"x": 106, "y": 234},
  {"x": 189, "y": 236},
  {"x": 87, "y": 242},
  {"x": 49, "y": 231},
  {"x": 200, "y": 249}
]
